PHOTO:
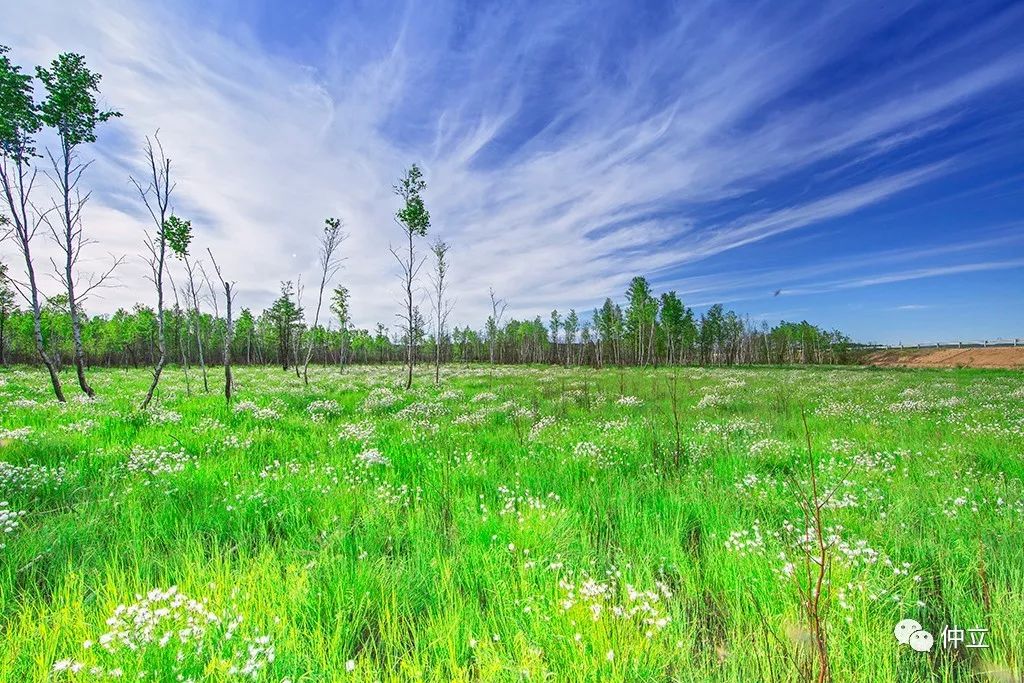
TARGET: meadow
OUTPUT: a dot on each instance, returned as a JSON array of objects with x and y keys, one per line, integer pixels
[{"x": 528, "y": 523}]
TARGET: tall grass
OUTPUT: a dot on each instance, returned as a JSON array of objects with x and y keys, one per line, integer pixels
[{"x": 536, "y": 523}]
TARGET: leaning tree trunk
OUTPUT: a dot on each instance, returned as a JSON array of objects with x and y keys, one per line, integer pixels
[
  {"x": 161, "y": 343},
  {"x": 228, "y": 334},
  {"x": 76, "y": 325},
  {"x": 37, "y": 329}
]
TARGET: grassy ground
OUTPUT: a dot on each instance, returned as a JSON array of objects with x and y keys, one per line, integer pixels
[{"x": 517, "y": 523}]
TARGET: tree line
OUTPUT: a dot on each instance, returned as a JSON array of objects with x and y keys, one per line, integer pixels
[
  {"x": 194, "y": 324},
  {"x": 662, "y": 332}
]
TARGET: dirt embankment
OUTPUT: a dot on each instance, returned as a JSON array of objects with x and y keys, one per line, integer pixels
[{"x": 975, "y": 357}]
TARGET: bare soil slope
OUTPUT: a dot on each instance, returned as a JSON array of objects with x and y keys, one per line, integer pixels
[{"x": 991, "y": 357}]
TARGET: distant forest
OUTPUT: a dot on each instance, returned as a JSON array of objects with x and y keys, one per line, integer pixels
[{"x": 650, "y": 330}]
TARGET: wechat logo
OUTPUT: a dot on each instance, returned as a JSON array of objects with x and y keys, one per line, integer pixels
[{"x": 909, "y": 632}]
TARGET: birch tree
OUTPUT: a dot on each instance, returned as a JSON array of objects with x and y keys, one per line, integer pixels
[
  {"x": 330, "y": 240},
  {"x": 169, "y": 231},
  {"x": 571, "y": 326},
  {"x": 70, "y": 108},
  {"x": 339, "y": 306},
  {"x": 19, "y": 124},
  {"x": 498, "y": 307},
  {"x": 192, "y": 302},
  {"x": 414, "y": 219},
  {"x": 556, "y": 321},
  {"x": 228, "y": 329},
  {"x": 442, "y": 306}
]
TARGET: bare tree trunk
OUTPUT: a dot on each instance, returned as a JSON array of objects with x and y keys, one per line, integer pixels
[
  {"x": 441, "y": 307},
  {"x": 329, "y": 242},
  {"x": 69, "y": 222},
  {"x": 37, "y": 328},
  {"x": 19, "y": 213},
  {"x": 228, "y": 332},
  {"x": 161, "y": 188},
  {"x": 412, "y": 322},
  {"x": 228, "y": 335},
  {"x": 197, "y": 320}
]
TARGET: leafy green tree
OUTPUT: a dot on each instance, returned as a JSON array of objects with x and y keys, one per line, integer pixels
[
  {"x": 339, "y": 307},
  {"x": 70, "y": 108},
  {"x": 641, "y": 318},
  {"x": 571, "y": 326},
  {"x": 608, "y": 322},
  {"x": 362, "y": 344},
  {"x": 381, "y": 343},
  {"x": 245, "y": 329},
  {"x": 414, "y": 219},
  {"x": 286, "y": 316},
  {"x": 673, "y": 316},
  {"x": 556, "y": 324},
  {"x": 711, "y": 329},
  {"x": 19, "y": 124}
]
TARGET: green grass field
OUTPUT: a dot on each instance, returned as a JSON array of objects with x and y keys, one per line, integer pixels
[{"x": 512, "y": 524}]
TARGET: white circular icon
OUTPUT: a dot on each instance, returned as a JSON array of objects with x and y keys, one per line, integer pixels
[
  {"x": 921, "y": 641},
  {"x": 905, "y": 629}
]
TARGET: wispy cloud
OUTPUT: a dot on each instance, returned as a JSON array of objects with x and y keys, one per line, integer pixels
[{"x": 563, "y": 157}]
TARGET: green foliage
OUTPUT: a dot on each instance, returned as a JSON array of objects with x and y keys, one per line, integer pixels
[
  {"x": 19, "y": 115},
  {"x": 6, "y": 291},
  {"x": 413, "y": 216},
  {"x": 70, "y": 106},
  {"x": 178, "y": 233},
  {"x": 339, "y": 306},
  {"x": 285, "y": 316},
  {"x": 642, "y": 307}
]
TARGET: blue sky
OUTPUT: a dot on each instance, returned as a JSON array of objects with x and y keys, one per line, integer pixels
[{"x": 857, "y": 165}]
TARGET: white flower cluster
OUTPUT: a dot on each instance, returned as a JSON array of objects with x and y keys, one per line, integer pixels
[
  {"x": 157, "y": 461},
  {"x": 398, "y": 495},
  {"x": 80, "y": 427},
  {"x": 517, "y": 503},
  {"x": 9, "y": 519},
  {"x": 767, "y": 448},
  {"x": 162, "y": 416},
  {"x": 645, "y": 609},
  {"x": 712, "y": 401},
  {"x": 264, "y": 414},
  {"x": 321, "y": 410},
  {"x": 476, "y": 418},
  {"x": 540, "y": 426},
  {"x": 362, "y": 432},
  {"x": 380, "y": 398},
  {"x": 592, "y": 452},
  {"x": 30, "y": 477},
  {"x": 19, "y": 434},
  {"x": 372, "y": 457},
  {"x": 746, "y": 542},
  {"x": 178, "y": 636},
  {"x": 24, "y": 403},
  {"x": 846, "y": 409},
  {"x": 421, "y": 409}
]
